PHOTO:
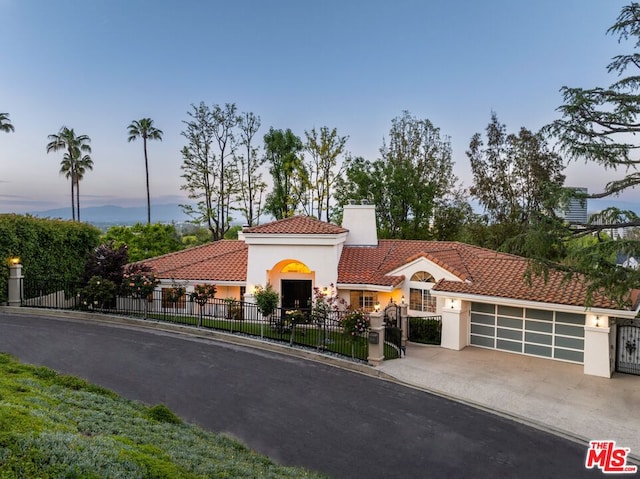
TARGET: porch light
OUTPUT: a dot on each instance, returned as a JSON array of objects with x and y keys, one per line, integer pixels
[
  {"x": 377, "y": 306},
  {"x": 402, "y": 299},
  {"x": 14, "y": 261},
  {"x": 597, "y": 321}
]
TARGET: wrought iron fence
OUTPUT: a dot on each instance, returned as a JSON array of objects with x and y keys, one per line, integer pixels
[
  {"x": 427, "y": 330},
  {"x": 297, "y": 327}
]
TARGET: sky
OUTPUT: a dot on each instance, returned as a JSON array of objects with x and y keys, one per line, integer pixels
[{"x": 97, "y": 65}]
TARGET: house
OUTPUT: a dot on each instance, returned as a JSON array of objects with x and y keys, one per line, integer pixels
[{"x": 482, "y": 295}]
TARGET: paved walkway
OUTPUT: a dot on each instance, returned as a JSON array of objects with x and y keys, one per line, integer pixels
[{"x": 552, "y": 395}]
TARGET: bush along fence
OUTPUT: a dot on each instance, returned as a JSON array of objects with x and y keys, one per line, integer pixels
[{"x": 326, "y": 331}]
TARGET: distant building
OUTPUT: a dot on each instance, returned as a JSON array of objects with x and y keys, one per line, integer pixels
[{"x": 575, "y": 211}]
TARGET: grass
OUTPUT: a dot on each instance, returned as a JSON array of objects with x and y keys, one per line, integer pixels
[
  {"x": 57, "y": 426},
  {"x": 331, "y": 340}
]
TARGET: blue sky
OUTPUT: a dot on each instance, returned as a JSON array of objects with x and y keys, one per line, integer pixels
[{"x": 96, "y": 65}]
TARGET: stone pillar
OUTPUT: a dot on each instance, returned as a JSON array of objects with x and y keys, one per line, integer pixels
[
  {"x": 15, "y": 284},
  {"x": 404, "y": 324},
  {"x": 597, "y": 360},
  {"x": 376, "y": 338}
]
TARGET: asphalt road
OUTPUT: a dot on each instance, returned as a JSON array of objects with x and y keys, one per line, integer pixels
[{"x": 296, "y": 411}]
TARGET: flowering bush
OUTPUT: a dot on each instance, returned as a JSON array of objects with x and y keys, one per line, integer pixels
[
  {"x": 324, "y": 301},
  {"x": 139, "y": 281},
  {"x": 295, "y": 316},
  {"x": 355, "y": 323},
  {"x": 203, "y": 292}
]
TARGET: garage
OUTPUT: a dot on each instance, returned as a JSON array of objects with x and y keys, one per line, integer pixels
[{"x": 535, "y": 332}]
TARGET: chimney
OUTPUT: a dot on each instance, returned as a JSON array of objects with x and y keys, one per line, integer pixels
[{"x": 360, "y": 220}]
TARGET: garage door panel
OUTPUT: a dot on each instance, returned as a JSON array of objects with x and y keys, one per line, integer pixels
[
  {"x": 546, "y": 339},
  {"x": 571, "y": 343},
  {"x": 510, "y": 334},
  {"x": 538, "y": 326},
  {"x": 513, "y": 346},
  {"x": 509, "y": 322},
  {"x": 536, "y": 350},
  {"x": 577, "y": 331},
  {"x": 483, "y": 341},
  {"x": 567, "y": 355},
  {"x": 484, "y": 330}
]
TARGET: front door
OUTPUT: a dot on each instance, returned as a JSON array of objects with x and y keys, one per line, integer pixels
[{"x": 296, "y": 293}]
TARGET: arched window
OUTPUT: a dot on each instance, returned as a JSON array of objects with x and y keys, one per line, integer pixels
[
  {"x": 420, "y": 298},
  {"x": 423, "y": 277}
]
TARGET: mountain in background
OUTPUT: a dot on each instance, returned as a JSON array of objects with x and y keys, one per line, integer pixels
[{"x": 119, "y": 215}]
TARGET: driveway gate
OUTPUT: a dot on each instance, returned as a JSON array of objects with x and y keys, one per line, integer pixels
[{"x": 628, "y": 356}]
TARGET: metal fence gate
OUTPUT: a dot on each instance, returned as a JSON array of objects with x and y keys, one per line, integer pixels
[{"x": 628, "y": 350}]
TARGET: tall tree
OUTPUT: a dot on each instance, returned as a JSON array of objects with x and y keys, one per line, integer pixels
[
  {"x": 209, "y": 166},
  {"x": 600, "y": 125},
  {"x": 76, "y": 160},
  {"x": 408, "y": 181},
  {"x": 324, "y": 147},
  {"x": 290, "y": 178},
  {"x": 5, "y": 123},
  {"x": 515, "y": 176},
  {"x": 252, "y": 187},
  {"x": 144, "y": 129}
]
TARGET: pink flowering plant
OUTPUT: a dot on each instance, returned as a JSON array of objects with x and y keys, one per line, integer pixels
[
  {"x": 355, "y": 323},
  {"x": 326, "y": 300},
  {"x": 139, "y": 281}
]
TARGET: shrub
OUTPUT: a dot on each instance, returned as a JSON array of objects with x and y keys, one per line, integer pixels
[
  {"x": 267, "y": 299},
  {"x": 162, "y": 413}
]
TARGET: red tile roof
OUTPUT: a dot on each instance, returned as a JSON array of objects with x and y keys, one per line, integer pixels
[
  {"x": 297, "y": 225},
  {"x": 224, "y": 260},
  {"x": 481, "y": 271}
]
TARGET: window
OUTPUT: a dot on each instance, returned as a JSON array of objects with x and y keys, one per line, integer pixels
[
  {"x": 420, "y": 298},
  {"x": 364, "y": 300}
]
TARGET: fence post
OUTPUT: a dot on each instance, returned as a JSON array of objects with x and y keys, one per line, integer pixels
[
  {"x": 404, "y": 324},
  {"x": 15, "y": 283},
  {"x": 376, "y": 338}
]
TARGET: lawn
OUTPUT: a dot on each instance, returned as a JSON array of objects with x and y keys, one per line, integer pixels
[{"x": 53, "y": 426}]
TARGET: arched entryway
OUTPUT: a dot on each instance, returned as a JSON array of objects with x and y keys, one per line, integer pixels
[{"x": 296, "y": 283}]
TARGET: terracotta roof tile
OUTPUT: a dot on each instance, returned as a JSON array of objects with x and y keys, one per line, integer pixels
[
  {"x": 224, "y": 260},
  {"x": 296, "y": 225}
]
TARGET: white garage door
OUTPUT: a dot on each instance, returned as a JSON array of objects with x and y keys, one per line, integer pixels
[{"x": 536, "y": 332}]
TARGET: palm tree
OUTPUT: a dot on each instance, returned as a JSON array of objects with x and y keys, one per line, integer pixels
[
  {"x": 144, "y": 129},
  {"x": 74, "y": 163},
  {"x": 5, "y": 123}
]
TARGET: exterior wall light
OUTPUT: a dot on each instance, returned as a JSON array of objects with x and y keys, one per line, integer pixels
[
  {"x": 377, "y": 306},
  {"x": 14, "y": 261},
  {"x": 402, "y": 299},
  {"x": 597, "y": 321}
]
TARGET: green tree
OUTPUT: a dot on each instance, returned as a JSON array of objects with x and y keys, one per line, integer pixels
[
  {"x": 144, "y": 129},
  {"x": 144, "y": 241},
  {"x": 324, "y": 147},
  {"x": 252, "y": 187},
  {"x": 5, "y": 123},
  {"x": 290, "y": 178},
  {"x": 76, "y": 160},
  {"x": 407, "y": 183},
  {"x": 209, "y": 166},
  {"x": 515, "y": 176},
  {"x": 600, "y": 125}
]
